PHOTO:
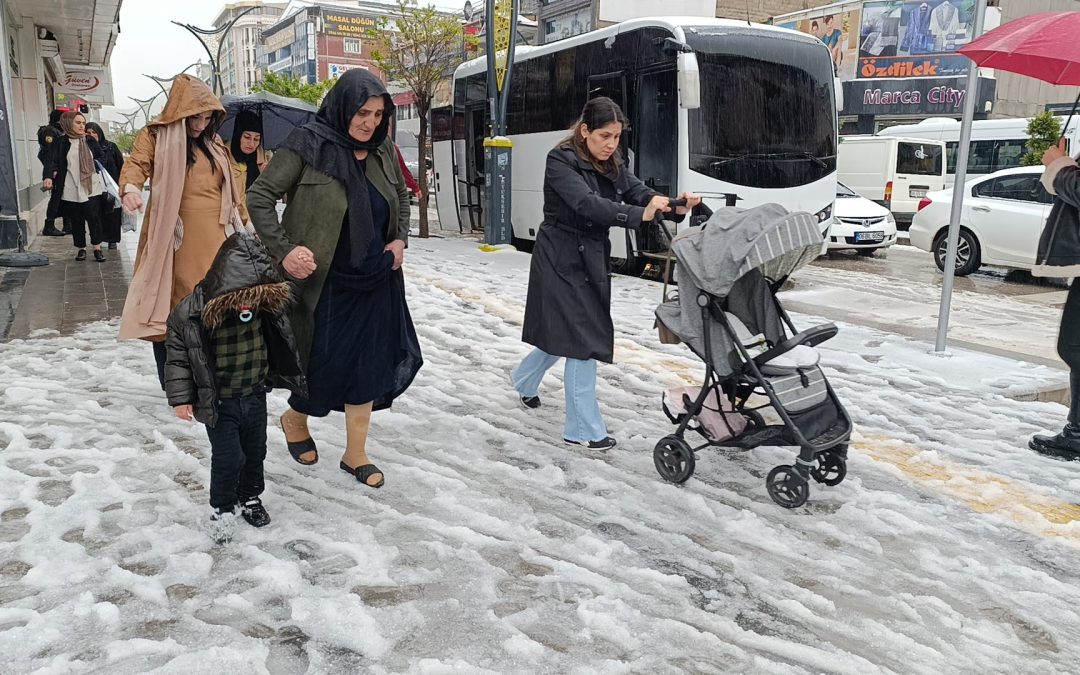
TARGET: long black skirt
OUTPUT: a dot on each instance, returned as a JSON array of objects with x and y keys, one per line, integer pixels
[
  {"x": 110, "y": 221},
  {"x": 364, "y": 347}
]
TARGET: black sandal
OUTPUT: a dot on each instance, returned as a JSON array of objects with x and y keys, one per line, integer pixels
[
  {"x": 301, "y": 447},
  {"x": 363, "y": 472}
]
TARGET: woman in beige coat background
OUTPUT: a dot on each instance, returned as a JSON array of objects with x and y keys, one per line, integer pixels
[{"x": 196, "y": 199}]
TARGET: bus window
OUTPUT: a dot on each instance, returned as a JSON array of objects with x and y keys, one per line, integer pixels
[{"x": 918, "y": 158}]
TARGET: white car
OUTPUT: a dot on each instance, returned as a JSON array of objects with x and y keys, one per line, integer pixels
[
  {"x": 860, "y": 224},
  {"x": 1000, "y": 222}
]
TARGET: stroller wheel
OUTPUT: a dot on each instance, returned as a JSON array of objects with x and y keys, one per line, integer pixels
[
  {"x": 674, "y": 460},
  {"x": 786, "y": 487},
  {"x": 831, "y": 469},
  {"x": 755, "y": 419}
]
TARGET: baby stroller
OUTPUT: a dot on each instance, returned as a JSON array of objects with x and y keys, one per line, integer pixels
[{"x": 729, "y": 271}]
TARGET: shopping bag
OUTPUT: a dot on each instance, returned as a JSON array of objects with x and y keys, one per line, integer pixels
[
  {"x": 128, "y": 221},
  {"x": 111, "y": 188}
]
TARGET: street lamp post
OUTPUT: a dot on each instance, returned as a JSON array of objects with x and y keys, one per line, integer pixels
[{"x": 214, "y": 35}]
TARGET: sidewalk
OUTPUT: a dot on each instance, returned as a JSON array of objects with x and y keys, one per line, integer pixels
[{"x": 66, "y": 294}]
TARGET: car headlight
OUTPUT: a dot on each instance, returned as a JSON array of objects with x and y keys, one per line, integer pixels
[
  {"x": 889, "y": 218},
  {"x": 824, "y": 214}
]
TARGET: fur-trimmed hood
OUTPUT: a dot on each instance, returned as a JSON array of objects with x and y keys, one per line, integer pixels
[
  {"x": 243, "y": 275},
  {"x": 272, "y": 299}
]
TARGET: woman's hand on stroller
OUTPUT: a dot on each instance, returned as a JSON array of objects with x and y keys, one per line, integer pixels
[
  {"x": 658, "y": 204},
  {"x": 691, "y": 200}
]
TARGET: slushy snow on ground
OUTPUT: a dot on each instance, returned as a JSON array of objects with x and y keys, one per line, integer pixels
[{"x": 493, "y": 547}]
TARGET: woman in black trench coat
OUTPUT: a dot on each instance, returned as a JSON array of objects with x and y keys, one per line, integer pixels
[{"x": 587, "y": 191}]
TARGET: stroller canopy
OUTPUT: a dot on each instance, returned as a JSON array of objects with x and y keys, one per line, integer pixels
[
  {"x": 735, "y": 241},
  {"x": 735, "y": 256}
]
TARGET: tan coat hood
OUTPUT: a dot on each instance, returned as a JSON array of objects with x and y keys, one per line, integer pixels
[{"x": 189, "y": 96}]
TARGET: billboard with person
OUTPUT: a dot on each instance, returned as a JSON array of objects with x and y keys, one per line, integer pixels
[
  {"x": 839, "y": 30},
  {"x": 914, "y": 38}
]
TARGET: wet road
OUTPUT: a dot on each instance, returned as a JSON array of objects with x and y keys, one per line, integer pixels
[
  {"x": 1002, "y": 312},
  {"x": 909, "y": 264}
]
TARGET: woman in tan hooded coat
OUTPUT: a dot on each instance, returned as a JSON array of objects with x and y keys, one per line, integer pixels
[{"x": 197, "y": 201}]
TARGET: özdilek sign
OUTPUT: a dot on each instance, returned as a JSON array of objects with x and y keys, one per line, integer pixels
[{"x": 913, "y": 96}]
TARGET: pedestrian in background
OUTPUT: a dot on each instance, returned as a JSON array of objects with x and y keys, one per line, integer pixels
[
  {"x": 587, "y": 191},
  {"x": 246, "y": 147},
  {"x": 343, "y": 235},
  {"x": 196, "y": 198},
  {"x": 48, "y": 137},
  {"x": 112, "y": 160},
  {"x": 74, "y": 176},
  {"x": 1059, "y": 256},
  {"x": 228, "y": 342}
]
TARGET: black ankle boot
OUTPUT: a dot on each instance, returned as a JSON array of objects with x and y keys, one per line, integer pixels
[{"x": 1065, "y": 445}]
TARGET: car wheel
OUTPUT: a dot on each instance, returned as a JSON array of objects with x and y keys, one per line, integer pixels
[{"x": 967, "y": 252}]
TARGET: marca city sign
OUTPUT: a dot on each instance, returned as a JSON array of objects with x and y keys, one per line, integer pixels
[
  {"x": 943, "y": 95},
  {"x": 937, "y": 95}
]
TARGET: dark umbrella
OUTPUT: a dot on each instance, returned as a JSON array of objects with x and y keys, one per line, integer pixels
[
  {"x": 1043, "y": 46},
  {"x": 280, "y": 115}
]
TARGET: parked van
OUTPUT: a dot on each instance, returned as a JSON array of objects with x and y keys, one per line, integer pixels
[
  {"x": 995, "y": 144},
  {"x": 894, "y": 172}
]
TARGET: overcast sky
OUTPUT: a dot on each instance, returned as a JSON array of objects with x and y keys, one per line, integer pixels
[{"x": 149, "y": 44}]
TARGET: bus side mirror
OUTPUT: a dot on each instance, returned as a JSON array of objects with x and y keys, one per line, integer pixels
[
  {"x": 838, "y": 92},
  {"x": 689, "y": 81}
]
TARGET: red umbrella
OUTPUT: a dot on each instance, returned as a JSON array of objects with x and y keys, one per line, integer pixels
[{"x": 1045, "y": 46}]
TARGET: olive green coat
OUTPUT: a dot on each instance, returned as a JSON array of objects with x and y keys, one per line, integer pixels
[{"x": 314, "y": 212}]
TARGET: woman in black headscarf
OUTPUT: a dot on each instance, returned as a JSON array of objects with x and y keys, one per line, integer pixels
[
  {"x": 113, "y": 161},
  {"x": 343, "y": 236},
  {"x": 246, "y": 146}
]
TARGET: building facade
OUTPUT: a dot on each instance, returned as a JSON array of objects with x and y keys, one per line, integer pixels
[
  {"x": 56, "y": 56},
  {"x": 240, "y": 46},
  {"x": 1020, "y": 96},
  {"x": 560, "y": 19},
  {"x": 320, "y": 41},
  {"x": 896, "y": 60}
]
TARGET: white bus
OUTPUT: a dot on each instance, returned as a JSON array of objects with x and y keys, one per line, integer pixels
[
  {"x": 715, "y": 107},
  {"x": 995, "y": 144}
]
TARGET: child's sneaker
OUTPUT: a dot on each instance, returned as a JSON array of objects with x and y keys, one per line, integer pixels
[
  {"x": 222, "y": 524},
  {"x": 253, "y": 511}
]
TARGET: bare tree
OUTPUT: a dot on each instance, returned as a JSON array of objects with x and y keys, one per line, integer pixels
[{"x": 420, "y": 47}]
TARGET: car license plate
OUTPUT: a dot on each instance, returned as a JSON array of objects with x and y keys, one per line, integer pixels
[
  {"x": 869, "y": 237},
  {"x": 918, "y": 194}
]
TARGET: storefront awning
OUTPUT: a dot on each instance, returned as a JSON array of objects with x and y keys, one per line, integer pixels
[{"x": 85, "y": 30}]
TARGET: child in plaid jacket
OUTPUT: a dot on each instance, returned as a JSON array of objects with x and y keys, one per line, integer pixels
[{"x": 228, "y": 343}]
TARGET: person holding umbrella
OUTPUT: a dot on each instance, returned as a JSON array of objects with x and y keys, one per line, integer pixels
[
  {"x": 1043, "y": 46},
  {"x": 249, "y": 158},
  {"x": 1059, "y": 256}
]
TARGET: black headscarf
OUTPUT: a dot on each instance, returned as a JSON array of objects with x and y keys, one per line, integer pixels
[
  {"x": 325, "y": 144},
  {"x": 246, "y": 121}
]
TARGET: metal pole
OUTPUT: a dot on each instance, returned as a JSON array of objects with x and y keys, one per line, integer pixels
[{"x": 958, "y": 186}]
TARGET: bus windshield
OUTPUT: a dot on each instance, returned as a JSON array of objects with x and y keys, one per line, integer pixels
[{"x": 767, "y": 117}]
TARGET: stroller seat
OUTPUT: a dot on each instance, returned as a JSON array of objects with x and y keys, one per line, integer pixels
[{"x": 776, "y": 361}]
